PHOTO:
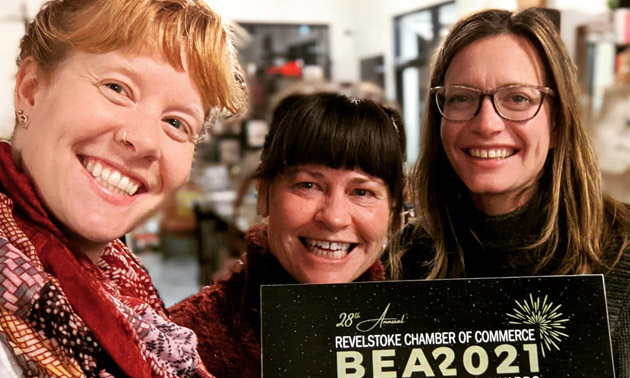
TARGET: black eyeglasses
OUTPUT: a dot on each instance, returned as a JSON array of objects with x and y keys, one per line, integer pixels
[{"x": 520, "y": 102}]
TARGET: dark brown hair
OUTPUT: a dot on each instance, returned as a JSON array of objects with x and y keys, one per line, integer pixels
[{"x": 338, "y": 132}]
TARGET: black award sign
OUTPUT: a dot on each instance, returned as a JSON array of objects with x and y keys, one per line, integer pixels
[{"x": 524, "y": 327}]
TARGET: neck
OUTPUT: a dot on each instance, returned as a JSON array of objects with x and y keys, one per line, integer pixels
[
  {"x": 93, "y": 250},
  {"x": 499, "y": 204}
]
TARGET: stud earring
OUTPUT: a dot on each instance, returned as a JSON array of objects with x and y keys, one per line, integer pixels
[{"x": 22, "y": 118}]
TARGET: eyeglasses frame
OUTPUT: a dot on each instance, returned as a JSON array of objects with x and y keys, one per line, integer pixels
[{"x": 546, "y": 91}]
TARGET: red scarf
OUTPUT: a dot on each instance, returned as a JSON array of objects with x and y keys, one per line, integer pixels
[{"x": 88, "y": 290}]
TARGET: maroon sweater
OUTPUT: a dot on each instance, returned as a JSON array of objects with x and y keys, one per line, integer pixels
[{"x": 226, "y": 316}]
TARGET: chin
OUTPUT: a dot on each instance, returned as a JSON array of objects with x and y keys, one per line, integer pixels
[
  {"x": 98, "y": 234},
  {"x": 107, "y": 226},
  {"x": 330, "y": 278},
  {"x": 486, "y": 186}
]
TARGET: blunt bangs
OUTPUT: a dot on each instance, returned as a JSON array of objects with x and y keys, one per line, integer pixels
[{"x": 334, "y": 131}]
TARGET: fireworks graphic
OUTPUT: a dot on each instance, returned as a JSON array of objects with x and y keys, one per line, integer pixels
[{"x": 545, "y": 316}]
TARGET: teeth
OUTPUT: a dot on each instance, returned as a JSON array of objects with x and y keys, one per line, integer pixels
[
  {"x": 98, "y": 168},
  {"x": 123, "y": 184},
  {"x": 111, "y": 179},
  {"x": 132, "y": 189},
  {"x": 105, "y": 174},
  {"x": 336, "y": 255},
  {"x": 331, "y": 250},
  {"x": 499, "y": 153},
  {"x": 114, "y": 179}
]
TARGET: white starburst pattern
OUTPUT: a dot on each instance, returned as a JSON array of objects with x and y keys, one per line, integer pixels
[{"x": 547, "y": 317}]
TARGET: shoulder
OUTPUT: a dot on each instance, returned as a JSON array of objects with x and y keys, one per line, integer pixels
[
  {"x": 618, "y": 299},
  {"x": 616, "y": 253},
  {"x": 615, "y": 242},
  {"x": 616, "y": 218},
  {"x": 214, "y": 303},
  {"x": 618, "y": 287},
  {"x": 225, "y": 328}
]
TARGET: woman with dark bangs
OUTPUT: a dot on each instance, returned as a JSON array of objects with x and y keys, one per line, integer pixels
[{"x": 330, "y": 203}]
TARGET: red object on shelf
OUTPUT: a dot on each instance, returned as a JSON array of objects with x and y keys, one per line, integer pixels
[{"x": 292, "y": 68}]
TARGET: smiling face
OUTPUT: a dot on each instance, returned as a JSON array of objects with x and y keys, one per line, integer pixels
[
  {"x": 498, "y": 160},
  {"x": 109, "y": 137},
  {"x": 326, "y": 225}
]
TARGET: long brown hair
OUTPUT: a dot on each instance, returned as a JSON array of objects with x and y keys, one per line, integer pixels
[{"x": 570, "y": 186}]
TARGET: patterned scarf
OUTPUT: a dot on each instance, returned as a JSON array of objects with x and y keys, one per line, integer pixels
[{"x": 65, "y": 316}]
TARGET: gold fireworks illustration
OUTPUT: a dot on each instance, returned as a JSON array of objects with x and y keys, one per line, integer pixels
[{"x": 544, "y": 315}]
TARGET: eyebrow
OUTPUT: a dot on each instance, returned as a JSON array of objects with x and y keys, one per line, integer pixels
[
  {"x": 500, "y": 86},
  {"x": 362, "y": 179}
]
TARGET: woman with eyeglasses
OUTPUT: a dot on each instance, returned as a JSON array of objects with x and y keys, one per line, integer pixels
[{"x": 507, "y": 183}]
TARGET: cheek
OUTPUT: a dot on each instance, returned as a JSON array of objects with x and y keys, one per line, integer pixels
[
  {"x": 545, "y": 127},
  {"x": 176, "y": 165},
  {"x": 448, "y": 136},
  {"x": 540, "y": 138},
  {"x": 286, "y": 212},
  {"x": 279, "y": 211},
  {"x": 375, "y": 223},
  {"x": 283, "y": 221}
]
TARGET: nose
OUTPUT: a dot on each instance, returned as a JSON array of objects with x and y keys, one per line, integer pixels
[
  {"x": 488, "y": 121},
  {"x": 334, "y": 211},
  {"x": 141, "y": 137}
]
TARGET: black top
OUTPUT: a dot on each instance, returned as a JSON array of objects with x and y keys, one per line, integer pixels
[{"x": 494, "y": 246}]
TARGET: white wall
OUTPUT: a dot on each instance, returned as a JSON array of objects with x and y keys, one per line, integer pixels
[
  {"x": 8, "y": 50},
  {"x": 11, "y": 29}
]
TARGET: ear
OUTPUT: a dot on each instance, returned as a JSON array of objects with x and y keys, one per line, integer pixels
[
  {"x": 27, "y": 82},
  {"x": 262, "y": 203}
]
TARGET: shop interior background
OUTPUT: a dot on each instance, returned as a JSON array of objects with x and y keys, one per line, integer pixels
[{"x": 376, "y": 48}]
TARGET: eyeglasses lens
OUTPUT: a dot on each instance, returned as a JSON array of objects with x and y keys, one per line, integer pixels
[{"x": 515, "y": 103}]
